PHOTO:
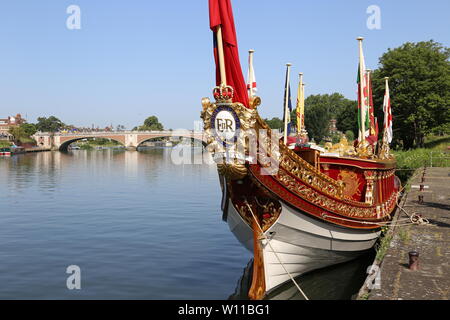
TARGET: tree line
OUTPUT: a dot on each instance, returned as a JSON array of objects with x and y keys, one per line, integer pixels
[
  {"x": 23, "y": 132},
  {"x": 419, "y": 86}
]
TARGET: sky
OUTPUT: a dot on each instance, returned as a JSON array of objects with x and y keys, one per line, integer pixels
[{"x": 136, "y": 58}]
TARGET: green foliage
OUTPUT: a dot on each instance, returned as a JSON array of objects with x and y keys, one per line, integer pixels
[
  {"x": 97, "y": 142},
  {"x": 50, "y": 124},
  {"x": 404, "y": 234},
  {"x": 321, "y": 108},
  {"x": 4, "y": 144},
  {"x": 347, "y": 118},
  {"x": 21, "y": 134},
  {"x": 28, "y": 129},
  {"x": 408, "y": 161},
  {"x": 350, "y": 135},
  {"x": 275, "y": 123},
  {"x": 419, "y": 88},
  {"x": 86, "y": 146},
  {"x": 150, "y": 124},
  {"x": 383, "y": 246}
]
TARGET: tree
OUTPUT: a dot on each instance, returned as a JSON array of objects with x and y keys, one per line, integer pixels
[
  {"x": 275, "y": 123},
  {"x": 150, "y": 124},
  {"x": 419, "y": 89},
  {"x": 347, "y": 119},
  {"x": 321, "y": 108},
  {"x": 28, "y": 129},
  {"x": 23, "y": 132},
  {"x": 50, "y": 124}
]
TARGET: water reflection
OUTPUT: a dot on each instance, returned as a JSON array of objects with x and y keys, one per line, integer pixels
[
  {"x": 139, "y": 227},
  {"x": 339, "y": 282}
]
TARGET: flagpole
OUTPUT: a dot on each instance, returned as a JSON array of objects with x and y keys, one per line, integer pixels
[
  {"x": 250, "y": 72},
  {"x": 286, "y": 102},
  {"x": 299, "y": 104},
  {"x": 384, "y": 151},
  {"x": 368, "y": 72},
  {"x": 223, "y": 75},
  {"x": 385, "y": 109},
  {"x": 361, "y": 79}
]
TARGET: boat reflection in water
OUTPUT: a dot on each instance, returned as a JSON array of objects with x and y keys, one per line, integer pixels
[{"x": 338, "y": 282}]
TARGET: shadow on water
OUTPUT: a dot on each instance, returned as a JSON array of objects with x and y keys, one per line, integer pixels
[{"x": 338, "y": 282}]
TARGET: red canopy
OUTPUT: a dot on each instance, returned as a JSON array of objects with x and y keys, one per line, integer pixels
[{"x": 221, "y": 13}]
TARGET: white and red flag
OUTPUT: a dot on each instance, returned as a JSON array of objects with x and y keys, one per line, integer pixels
[
  {"x": 387, "y": 114},
  {"x": 363, "y": 97}
]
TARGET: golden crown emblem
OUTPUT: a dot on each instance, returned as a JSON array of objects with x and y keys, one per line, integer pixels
[{"x": 223, "y": 93}]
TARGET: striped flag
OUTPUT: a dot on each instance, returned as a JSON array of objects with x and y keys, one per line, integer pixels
[
  {"x": 300, "y": 109},
  {"x": 387, "y": 114},
  {"x": 251, "y": 79}
]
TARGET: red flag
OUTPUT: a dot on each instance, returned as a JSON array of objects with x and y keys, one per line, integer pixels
[{"x": 221, "y": 13}]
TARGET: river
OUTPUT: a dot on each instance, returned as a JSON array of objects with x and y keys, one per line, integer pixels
[{"x": 137, "y": 225}]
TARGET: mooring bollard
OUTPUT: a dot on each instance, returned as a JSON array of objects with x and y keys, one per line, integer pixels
[
  {"x": 413, "y": 260},
  {"x": 420, "y": 199}
]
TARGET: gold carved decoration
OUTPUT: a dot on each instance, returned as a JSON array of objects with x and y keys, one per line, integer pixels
[
  {"x": 342, "y": 147},
  {"x": 232, "y": 167},
  {"x": 370, "y": 176},
  {"x": 233, "y": 171},
  {"x": 384, "y": 152},
  {"x": 339, "y": 207},
  {"x": 351, "y": 183},
  {"x": 309, "y": 175},
  {"x": 364, "y": 150}
]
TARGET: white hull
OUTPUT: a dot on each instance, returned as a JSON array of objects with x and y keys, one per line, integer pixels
[{"x": 301, "y": 243}]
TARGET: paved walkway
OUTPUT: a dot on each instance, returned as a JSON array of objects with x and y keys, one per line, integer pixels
[{"x": 432, "y": 281}]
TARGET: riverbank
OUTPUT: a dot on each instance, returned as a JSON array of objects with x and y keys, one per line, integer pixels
[{"x": 395, "y": 280}]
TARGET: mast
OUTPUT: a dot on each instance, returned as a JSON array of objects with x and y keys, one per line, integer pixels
[
  {"x": 361, "y": 90},
  {"x": 251, "y": 80},
  {"x": 223, "y": 75},
  {"x": 300, "y": 105},
  {"x": 286, "y": 102}
]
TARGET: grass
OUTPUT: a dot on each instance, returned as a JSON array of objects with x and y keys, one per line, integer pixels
[
  {"x": 435, "y": 148},
  {"x": 383, "y": 246},
  {"x": 404, "y": 234}
]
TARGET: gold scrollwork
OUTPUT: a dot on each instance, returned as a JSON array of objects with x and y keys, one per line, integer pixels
[{"x": 230, "y": 168}]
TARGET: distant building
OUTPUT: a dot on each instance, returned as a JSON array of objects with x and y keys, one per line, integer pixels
[
  {"x": 332, "y": 126},
  {"x": 8, "y": 123}
]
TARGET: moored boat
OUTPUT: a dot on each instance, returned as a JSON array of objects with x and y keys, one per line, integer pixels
[
  {"x": 5, "y": 152},
  {"x": 294, "y": 206}
]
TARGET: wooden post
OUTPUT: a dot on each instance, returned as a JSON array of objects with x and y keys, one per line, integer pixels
[{"x": 258, "y": 287}]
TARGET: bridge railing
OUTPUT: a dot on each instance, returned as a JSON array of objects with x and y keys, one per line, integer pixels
[{"x": 99, "y": 133}]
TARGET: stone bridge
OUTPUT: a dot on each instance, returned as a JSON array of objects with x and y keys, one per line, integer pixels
[{"x": 130, "y": 139}]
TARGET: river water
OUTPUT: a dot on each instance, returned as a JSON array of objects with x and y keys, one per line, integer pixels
[{"x": 137, "y": 225}]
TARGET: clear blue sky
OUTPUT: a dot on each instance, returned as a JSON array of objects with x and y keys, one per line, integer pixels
[{"x": 136, "y": 58}]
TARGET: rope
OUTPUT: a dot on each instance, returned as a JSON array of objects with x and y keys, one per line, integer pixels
[{"x": 276, "y": 254}]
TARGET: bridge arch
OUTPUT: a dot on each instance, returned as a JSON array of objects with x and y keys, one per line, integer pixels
[
  {"x": 143, "y": 138},
  {"x": 64, "y": 143}
]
